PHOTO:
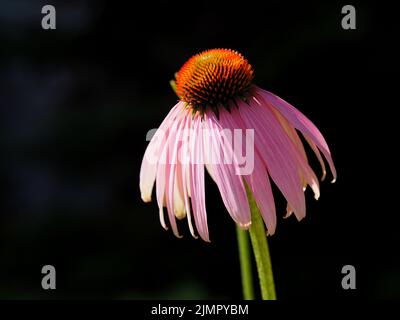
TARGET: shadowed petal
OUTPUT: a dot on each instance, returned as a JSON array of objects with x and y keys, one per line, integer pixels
[
  {"x": 230, "y": 184},
  {"x": 274, "y": 146},
  {"x": 258, "y": 180},
  {"x": 300, "y": 122},
  {"x": 307, "y": 175},
  {"x": 318, "y": 155}
]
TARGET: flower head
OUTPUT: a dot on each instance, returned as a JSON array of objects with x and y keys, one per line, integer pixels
[
  {"x": 212, "y": 78},
  {"x": 243, "y": 135}
]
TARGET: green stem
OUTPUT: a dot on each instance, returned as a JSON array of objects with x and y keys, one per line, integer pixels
[
  {"x": 261, "y": 252},
  {"x": 245, "y": 263}
]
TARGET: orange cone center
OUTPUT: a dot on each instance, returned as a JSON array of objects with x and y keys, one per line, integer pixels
[{"x": 213, "y": 77}]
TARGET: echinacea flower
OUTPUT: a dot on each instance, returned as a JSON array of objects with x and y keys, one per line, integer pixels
[{"x": 218, "y": 101}]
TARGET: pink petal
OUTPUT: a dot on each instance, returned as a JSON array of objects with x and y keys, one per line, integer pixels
[
  {"x": 306, "y": 173},
  {"x": 197, "y": 179},
  {"x": 276, "y": 149},
  {"x": 300, "y": 122},
  {"x": 230, "y": 184},
  {"x": 148, "y": 168},
  {"x": 260, "y": 187},
  {"x": 258, "y": 180},
  {"x": 166, "y": 172},
  {"x": 176, "y": 180},
  {"x": 318, "y": 155},
  {"x": 160, "y": 191},
  {"x": 291, "y": 131},
  {"x": 184, "y": 174}
]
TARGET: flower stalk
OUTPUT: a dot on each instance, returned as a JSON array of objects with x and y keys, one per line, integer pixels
[
  {"x": 245, "y": 263},
  {"x": 261, "y": 251}
]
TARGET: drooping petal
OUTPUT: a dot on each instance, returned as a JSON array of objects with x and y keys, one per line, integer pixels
[
  {"x": 307, "y": 175},
  {"x": 173, "y": 189},
  {"x": 260, "y": 187},
  {"x": 160, "y": 189},
  {"x": 224, "y": 171},
  {"x": 276, "y": 149},
  {"x": 300, "y": 122},
  {"x": 196, "y": 178},
  {"x": 291, "y": 131},
  {"x": 184, "y": 174},
  {"x": 289, "y": 211},
  {"x": 178, "y": 204},
  {"x": 165, "y": 189},
  {"x": 148, "y": 168},
  {"x": 258, "y": 180},
  {"x": 318, "y": 155}
]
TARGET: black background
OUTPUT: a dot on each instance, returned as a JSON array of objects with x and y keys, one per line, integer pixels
[{"x": 76, "y": 104}]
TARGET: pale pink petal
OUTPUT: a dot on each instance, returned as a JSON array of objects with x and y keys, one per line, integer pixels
[
  {"x": 184, "y": 175},
  {"x": 179, "y": 201},
  {"x": 174, "y": 201},
  {"x": 160, "y": 190},
  {"x": 230, "y": 184},
  {"x": 179, "y": 204},
  {"x": 174, "y": 188},
  {"x": 148, "y": 168},
  {"x": 166, "y": 172},
  {"x": 300, "y": 122},
  {"x": 197, "y": 179}
]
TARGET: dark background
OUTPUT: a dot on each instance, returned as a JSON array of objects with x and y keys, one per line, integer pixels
[{"x": 75, "y": 106}]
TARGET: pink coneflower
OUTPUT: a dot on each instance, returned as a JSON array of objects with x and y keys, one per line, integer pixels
[{"x": 218, "y": 101}]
